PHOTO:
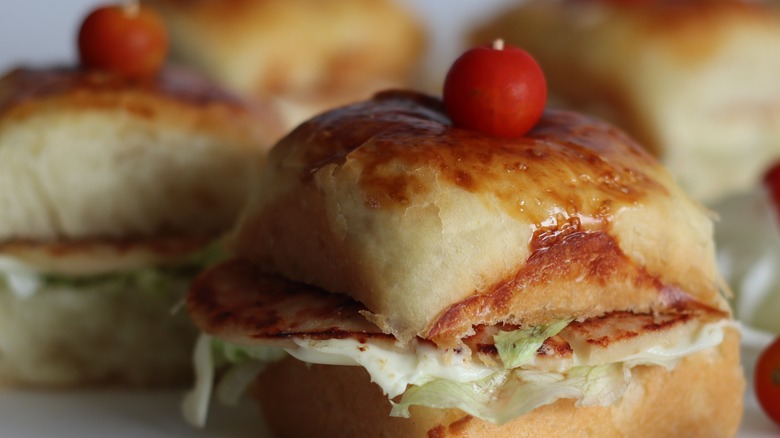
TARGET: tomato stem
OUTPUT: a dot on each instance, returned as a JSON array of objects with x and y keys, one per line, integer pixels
[{"x": 498, "y": 44}]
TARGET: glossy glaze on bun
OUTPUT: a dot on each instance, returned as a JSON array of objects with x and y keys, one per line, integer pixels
[{"x": 436, "y": 229}]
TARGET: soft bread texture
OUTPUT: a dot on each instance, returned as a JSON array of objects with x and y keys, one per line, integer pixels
[
  {"x": 310, "y": 55},
  {"x": 65, "y": 337},
  {"x": 701, "y": 397},
  {"x": 436, "y": 229},
  {"x": 87, "y": 155},
  {"x": 695, "y": 81}
]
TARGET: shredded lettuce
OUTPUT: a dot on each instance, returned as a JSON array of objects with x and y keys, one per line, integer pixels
[
  {"x": 244, "y": 363},
  {"x": 509, "y": 394},
  {"x": 234, "y": 382},
  {"x": 420, "y": 374},
  {"x": 240, "y": 365},
  {"x": 195, "y": 405},
  {"x": 227, "y": 353},
  {"x": 517, "y": 347}
]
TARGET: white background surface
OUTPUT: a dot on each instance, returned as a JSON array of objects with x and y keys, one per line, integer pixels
[{"x": 42, "y": 32}]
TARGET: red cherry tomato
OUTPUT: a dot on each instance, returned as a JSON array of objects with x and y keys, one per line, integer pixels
[
  {"x": 767, "y": 380},
  {"x": 130, "y": 40},
  {"x": 772, "y": 183},
  {"x": 498, "y": 90}
]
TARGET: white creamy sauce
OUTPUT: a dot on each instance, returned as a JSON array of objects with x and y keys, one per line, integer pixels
[{"x": 394, "y": 368}]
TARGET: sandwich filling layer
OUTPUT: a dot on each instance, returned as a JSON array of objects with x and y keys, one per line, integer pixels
[
  {"x": 23, "y": 279},
  {"x": 496, "y": 374}
]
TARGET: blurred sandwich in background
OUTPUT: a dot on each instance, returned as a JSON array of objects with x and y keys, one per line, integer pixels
[
  {"x": 694, "y": 80},
  {"x": 306, "y": 55},
  {"x": 112, "y": 194}
]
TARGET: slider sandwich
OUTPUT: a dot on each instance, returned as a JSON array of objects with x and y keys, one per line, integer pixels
[
  {"x": 426, "y": 280},
  {"x": 113, "y": 194},
  {"x": 305, "y": 55},
  {"x": 695, "y": 81}
]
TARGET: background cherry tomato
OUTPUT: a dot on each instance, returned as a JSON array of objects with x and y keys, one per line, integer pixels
[
  {"x": 500, "y": 92},
  {"x": 127, "y": 39},
  {"x": 767, "y": 380},
  {"x": 772, "y": 183}
]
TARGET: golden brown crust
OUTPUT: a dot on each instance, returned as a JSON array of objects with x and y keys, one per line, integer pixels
[
  {"x": 471, "y": 229},
  {"x": 701, "y": 397},
  {"x": 235, "y": 302},
  {"x": 25, "y": 84},
  {"x": 411, "y": 130},
  {"x": 178, "y": 94},
  {"x": 568, "y": 265}
]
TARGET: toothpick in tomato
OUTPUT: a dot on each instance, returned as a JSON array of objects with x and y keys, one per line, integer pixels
[
  {"x": 128, "y": 39},
  {"x": 499, "y": 90}
]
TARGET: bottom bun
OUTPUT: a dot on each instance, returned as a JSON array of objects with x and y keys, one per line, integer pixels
[
  {"x": 64, "y": 337},
  {"x": 701, "y": 397}
]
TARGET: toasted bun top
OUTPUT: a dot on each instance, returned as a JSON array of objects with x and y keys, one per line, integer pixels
[
  {"x": 436, "y": 229},
  {"x": 335, "y": 51},
  {"x": 88, "y": 155},
  {"x": 22, "y": 85},
  {"x": 658, "y": 70}
]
